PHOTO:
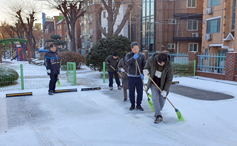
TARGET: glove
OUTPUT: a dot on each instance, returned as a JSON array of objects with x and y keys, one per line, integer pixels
[
  {"x": 122, "y": 70},
  {"x": 146, "y": 72},
  {"x": 136, "y": 56},
  {"x": 48, "y": 71},
  {"x": 107, "y": 64},
  {"x": 164, "y": 93},
  {"x": 158, "y": 74},
  {"x": 142, "y": 77}
]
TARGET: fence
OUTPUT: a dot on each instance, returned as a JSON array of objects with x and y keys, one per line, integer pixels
[
  {"x": 30, "y": 77},
  {"x": 71, "y": 72},
  {"x": 212, "y": 62},
  {"x": 181, "y": 64}
]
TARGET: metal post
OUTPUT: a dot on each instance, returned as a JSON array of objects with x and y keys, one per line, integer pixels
[
  {"x": 103, "y": 72},
  {"x": 74, "y": 73},
  {"x": 22, "y": 78},
  {"x": 194, "y": 68}
]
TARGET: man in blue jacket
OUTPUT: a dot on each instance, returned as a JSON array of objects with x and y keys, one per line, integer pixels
[
  {"x": 134, "y": 76},
  {"x": 52, "y": 63}
]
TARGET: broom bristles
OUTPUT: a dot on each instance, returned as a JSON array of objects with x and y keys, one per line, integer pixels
[
  {"x": 179, "y": 115},
  {"x": 58, "y": 82},
  {"x": 151, "y": 104}
]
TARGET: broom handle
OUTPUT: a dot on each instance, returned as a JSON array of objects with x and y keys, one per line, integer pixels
[
  {"x": 160, "y": 90},
  {"x": 114, "y": 70},
  {"x": 142, "y": 80}
]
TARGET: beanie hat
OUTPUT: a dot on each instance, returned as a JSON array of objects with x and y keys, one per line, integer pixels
[{"x": 115, "y": 54}]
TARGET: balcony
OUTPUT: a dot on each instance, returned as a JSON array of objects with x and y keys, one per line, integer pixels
[
  {"x": 193, "y": 39},
  {"x": 185, "y": 16}
]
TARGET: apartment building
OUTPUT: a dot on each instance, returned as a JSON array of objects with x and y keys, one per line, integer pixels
[
  {"x": 171, "y": 25},
  {"x": 90, "y": 33},
  {"x": 219, "y": 26}
]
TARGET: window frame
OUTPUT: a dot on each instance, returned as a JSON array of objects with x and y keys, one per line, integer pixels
[
  {"x": 193, "y": 47},
  {"x": 212, "y": 19},
  {"x": 172, "y": 44},
  {"x": 192, "y": 25},
  {"x": 191, "y": 4}
]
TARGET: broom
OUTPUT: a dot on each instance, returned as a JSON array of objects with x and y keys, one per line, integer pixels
[
  {"x": 58, "y": 83},
  {"x": 149, "y": 100},
  {"x": 179, "y": 115},
  {"x": 114, "y": 69}
]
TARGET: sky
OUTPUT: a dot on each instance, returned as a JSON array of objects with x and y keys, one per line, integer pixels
[
  {"x": 4, "y": 12},
  {"x": 101, "y": 118}
]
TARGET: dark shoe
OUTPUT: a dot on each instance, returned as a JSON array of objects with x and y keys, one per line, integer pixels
[
  {"x": 119, "y": 87},
  {"x": 125, "y": 99},
  {"x": 111, "y": 88},
  {"x": 51, "y": 93},
  {"x": 158, "y": 119},
  {"x": 132, "y": 107},
  {"x": 140, "y": 107}
]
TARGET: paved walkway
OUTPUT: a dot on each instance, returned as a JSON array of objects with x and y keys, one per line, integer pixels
[{"x": 198, "y": 93}]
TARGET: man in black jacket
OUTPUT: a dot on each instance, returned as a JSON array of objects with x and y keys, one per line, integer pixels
[
  {"x": 52, "y": 63},
  {"x": 134, "y": 76},
  {"x": 112, "y": 62}
]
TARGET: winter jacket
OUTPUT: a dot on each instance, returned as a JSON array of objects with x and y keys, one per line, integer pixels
[
  {"x": 113, "y": 62},
  {"x": 167, "y": 73},
  {"x": 52, "y": 62},
  {"x": 132, "y": 65},
  {"x": 123, "y": 65}
]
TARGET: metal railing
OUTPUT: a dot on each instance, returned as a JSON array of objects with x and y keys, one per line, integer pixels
[{"x": 212, "y": 62}]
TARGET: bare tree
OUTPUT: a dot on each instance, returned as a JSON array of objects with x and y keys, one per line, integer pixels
[
  {"x": 6, "y": 30},
  {"x": 112, "y": 7},
  {"x": 24, "y": 12},
  {"x": 71, "y": 10}
]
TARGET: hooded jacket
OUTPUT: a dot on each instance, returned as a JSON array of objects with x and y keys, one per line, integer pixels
[
  {"x": 167, "y": 73},
  {"x": 52, "y": 62}
]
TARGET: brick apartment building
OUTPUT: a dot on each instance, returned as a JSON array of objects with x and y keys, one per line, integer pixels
[
  {"x": 175, "y": 26},
  {"x": 219, "y": 27},
  {"x": 61, "y": 29}
]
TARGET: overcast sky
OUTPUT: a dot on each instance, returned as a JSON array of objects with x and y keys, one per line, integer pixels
[{"x": 4, "y": 11}]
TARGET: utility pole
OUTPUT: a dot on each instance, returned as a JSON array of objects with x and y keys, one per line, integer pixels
[{"x": 130, "y": 28}]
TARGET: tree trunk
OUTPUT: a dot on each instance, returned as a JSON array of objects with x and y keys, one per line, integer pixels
[{"x": 73, "y": 41}]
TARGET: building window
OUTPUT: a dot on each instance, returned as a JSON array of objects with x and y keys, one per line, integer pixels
[
  {"x": 191, "y": 3},
  {"x": 171, "y": 46},
  {"x": 104, "y": 14},
  {"x": 212, "y": 3},
  {"x": 91, "y": 31},
  {"x": 172, "y": 21},
  {"x": 193, "y": 47},
  {"x": 105, "y": 29},
  {"x": 83, "y": 45},
  {"x": 233, "y": 15},
  {"x": 91, "y": 44},
  {"x": 192, "y": 25},
  {"x": 213, "y": 26}
]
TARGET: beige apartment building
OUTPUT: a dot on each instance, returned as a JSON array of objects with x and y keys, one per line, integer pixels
[{"x": 219, "y": 18}]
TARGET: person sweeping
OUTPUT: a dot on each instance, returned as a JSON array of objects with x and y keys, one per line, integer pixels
[
  {"x": 112, "y": 62},
  {"x": 159, "y": 68},
  {"x": 123, "y": 67}
]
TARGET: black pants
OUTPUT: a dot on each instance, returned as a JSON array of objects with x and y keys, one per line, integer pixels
[
  {"x": 111, "y": 78},
  {"x": 135, "y": 83},
  {"x": 52, "y": 82}
]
